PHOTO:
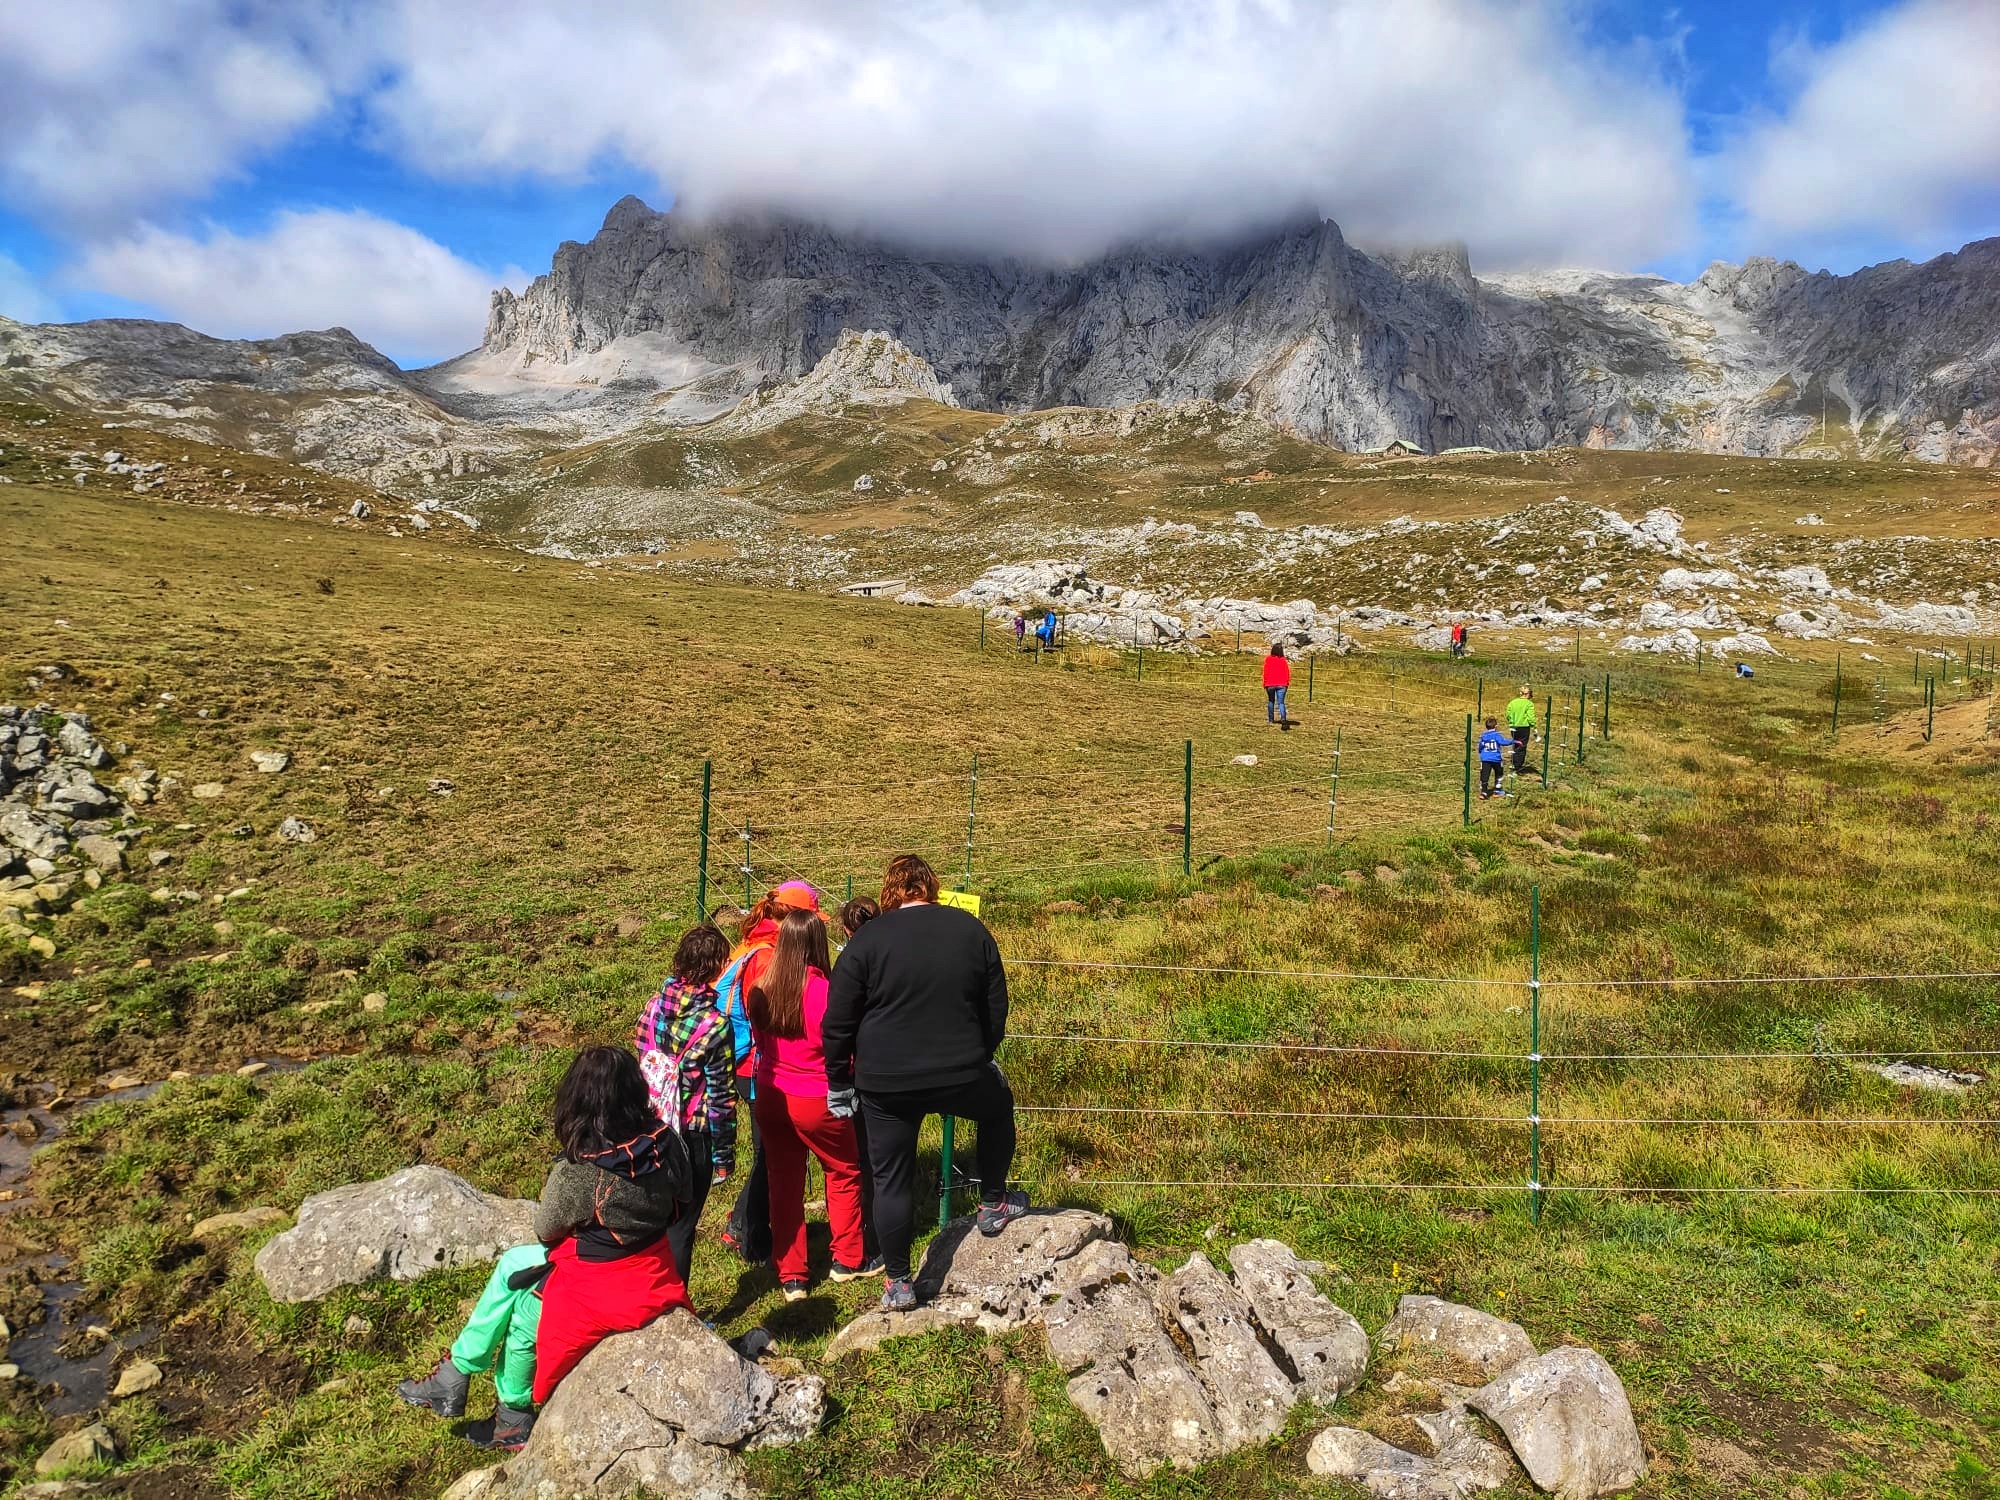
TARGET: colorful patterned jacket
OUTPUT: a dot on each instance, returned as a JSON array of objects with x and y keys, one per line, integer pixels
[{"x": 690, "y": 1065}]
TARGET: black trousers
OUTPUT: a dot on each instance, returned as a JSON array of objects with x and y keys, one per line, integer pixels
[
  {"x": 1489, "y": 777},
  {"x": 891, "y": 1121},
  {"x": 701, "y": 1166},
  {"x": 750, "y": 1219},
  {"x": 1521, "y": 748}
]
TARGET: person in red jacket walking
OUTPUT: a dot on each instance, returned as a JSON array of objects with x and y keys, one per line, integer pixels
[{"x": 1277, "y": 678}]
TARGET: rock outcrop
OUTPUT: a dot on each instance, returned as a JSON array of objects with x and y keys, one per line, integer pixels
[
  {"x": 663, "y": 1410},
  {"x": 861, "y": 369},
  {"x": 1172, "y": 1369},
  {"x": 1299, "y": 326},
  {"x": 1469, "y": 1342},
  {"x": 62, "y": 831},
  {"x": 416, "y": 1220}
]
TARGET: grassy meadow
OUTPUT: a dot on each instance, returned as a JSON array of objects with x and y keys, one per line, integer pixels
[{"x": 1318, "y": 1034}]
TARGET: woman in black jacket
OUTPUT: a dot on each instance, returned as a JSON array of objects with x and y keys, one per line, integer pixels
[{"x": 915, "y": 1012}]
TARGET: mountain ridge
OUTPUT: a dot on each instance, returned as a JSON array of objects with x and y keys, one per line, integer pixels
[{"x": 1301, "y": 327}]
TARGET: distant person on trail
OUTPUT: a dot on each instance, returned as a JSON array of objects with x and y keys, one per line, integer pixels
[
  {"x": 1277, "y": 679},
  {"x": 1046, "y": 631},
  {"x": 787, "y": 1006},
  {"x": 1521, "y": 723},
  {"x": 1458, "y": 640},
  {"x": 688, "y": 1062},
  {"x": 1020, "y": 631},
  {"x": 748, "y": 1232},
  {"x": 916, "y": 1010},
  {"x": 1493, "y": 746},
  {"x": 1743, "y": 669},
  {"x": 603, "y": 1264}
]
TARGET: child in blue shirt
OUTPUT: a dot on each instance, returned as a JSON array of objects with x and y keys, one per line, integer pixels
[{"x": 1493, "y": 747}]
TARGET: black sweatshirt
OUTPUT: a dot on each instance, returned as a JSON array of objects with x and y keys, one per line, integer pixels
[{"x": 918, "y": 1000}]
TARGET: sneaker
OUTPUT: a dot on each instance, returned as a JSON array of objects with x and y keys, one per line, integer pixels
[
  {"x": 899, "y": 1295},
  {"x": 994, "y": 1217},
  {"x": 442, "y": 1391},
  {"x": 869, "y": 1267},
  {"x": 507, "y": 1429},
  {"x": 795, "y": 1291}
]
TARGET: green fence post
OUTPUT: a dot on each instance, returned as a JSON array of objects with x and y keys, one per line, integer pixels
[
  {"x": 1467, "y": 816},
  {"x": 982, "y": 631},
  {"x": 1333, "y": 793},
  {"x": 971, "y": 815},
  {"x": 746, "y": 862},
  {"x": 1479, "y": 708},
  {"x": 1187, "y": 807},
  {"x": 1548, "y": 733},
  {"x": 701, "y": 876},
  {"x": 1579, "y": 645},
  {"x": 1605, "y": 730},
  {"x": 1836, "y": 695},
  {"x": 1582, "y": 718},
  {"x": 850, "y": 888},
  {"x": 1535, "y": 1053},
  {"x": 1311, "y": 663},
  {"x": 1930, "y": 706},
  {"x": 944, "y": 1175}
]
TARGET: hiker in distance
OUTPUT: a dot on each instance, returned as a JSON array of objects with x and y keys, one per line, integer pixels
[
  {"x": 914, "y": 1014},
  {"x": 1493, "y": 747},
  {"x": 604, "y": 1263},
  {"x": 1277, "y": 681},
  {"x": 1521, "y": 725}
]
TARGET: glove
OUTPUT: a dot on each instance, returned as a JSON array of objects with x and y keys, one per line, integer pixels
[{"x": 840, "y": 1103}]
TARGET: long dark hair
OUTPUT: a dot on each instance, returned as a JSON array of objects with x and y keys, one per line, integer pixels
[
  {"x": 778, "y": 1003},
  {"x": 602, "y": 1102}
]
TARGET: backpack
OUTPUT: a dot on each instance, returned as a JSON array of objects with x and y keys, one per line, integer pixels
[
  {"x": 662, "y": 1072},
  {"x": 734, "y": 1004}
]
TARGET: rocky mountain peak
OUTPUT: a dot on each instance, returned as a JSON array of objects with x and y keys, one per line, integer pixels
[{"x": 862, "y": 369}]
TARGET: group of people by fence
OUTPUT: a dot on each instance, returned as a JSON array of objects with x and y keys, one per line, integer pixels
[{"x": 834, "y": 1059}]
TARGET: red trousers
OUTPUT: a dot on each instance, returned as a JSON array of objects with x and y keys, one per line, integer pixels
[
  {"x": 792, "y": 1125},
  {"x": 586, "y": 1301}
]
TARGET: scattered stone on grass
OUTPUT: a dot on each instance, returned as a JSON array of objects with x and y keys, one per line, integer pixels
[
  {"x": 1472, "y": 1341},
  {"x": 416, "y": 1220},
  {"x": 297, "y": 831},
  {"x": 374, "y": 1002},
  {"x": 140, "y": 1375},
  {"x": 1325, "y": 1347},
  {"x": 663, "y": 1410},
  {"x": 1924, "y": 1076},
  {"x": 1567, "y": 1417},
  {"x": 270, "y": 762},
  {"x": 87, "y": 1445}
]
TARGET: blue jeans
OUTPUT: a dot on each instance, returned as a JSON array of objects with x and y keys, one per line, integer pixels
[{"x": 1274, "y": 704}]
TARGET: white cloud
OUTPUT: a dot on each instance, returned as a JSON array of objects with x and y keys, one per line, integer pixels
[
  {"x": 406, "y": 294},
  {"x": 1892, "y": 132},
  {"x": 109, "y": 107},
  {"x": 1043, "y": 126}
]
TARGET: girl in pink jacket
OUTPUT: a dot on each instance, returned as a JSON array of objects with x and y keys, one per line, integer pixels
[{"x": 786, "y": 1007}]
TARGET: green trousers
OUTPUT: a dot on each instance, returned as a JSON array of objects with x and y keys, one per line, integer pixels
[{"x": 500, "y": 1334}]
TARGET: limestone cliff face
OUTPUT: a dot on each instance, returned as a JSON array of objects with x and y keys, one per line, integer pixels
[{"x": 1300, "y": 327}]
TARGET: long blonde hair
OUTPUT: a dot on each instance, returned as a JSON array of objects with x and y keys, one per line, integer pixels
[{"x": 777, "y": 1004}]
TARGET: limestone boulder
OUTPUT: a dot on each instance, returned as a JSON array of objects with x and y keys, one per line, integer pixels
[
  {"x": 969, "y": 1281},
  {"x": 1326, "y": 1349},
  {"x": 664, "y": 1410},
  {"x": 1249, "y": 1394},
  {"x": 87, "y": 1445},
  {"x": 1566, "y": 1415},
  {"x": 417, "y": 1220},
  {"x": 1461, "y": 1462},
  {"x": 1471, "y": 1341}
]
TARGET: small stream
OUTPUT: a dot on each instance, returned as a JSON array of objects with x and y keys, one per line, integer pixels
[{"x": 71, "y": 1383}]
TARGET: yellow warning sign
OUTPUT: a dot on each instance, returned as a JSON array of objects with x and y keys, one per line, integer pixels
[{"x": 963, "y": 900}]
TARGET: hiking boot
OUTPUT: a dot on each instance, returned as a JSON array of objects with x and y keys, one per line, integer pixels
[
  {"x": 442, "y": 1391},
  {"x": 869, "y": 1267},
  {"x": 507, "y": 1429},
  {"x": 994, "y": 1217},
  {"x": 899, "y": 1295},
  {"x": 795, "y": 1291}
]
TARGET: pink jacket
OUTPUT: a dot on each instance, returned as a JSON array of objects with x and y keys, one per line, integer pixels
[{"x": 797, "y": 1065}]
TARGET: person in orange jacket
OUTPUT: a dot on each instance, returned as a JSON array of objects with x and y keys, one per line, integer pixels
[{"x": 1277, "y": 678}]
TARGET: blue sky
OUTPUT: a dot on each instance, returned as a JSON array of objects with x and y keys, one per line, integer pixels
[{"x": 250, "y": 166}]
